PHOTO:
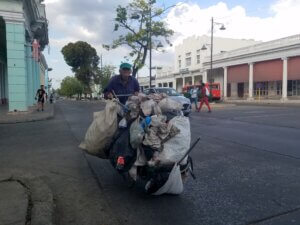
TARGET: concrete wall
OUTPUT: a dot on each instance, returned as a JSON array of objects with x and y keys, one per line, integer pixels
[
  {"x": 16, "y": 64},
  {"x": 165, "y": 80},
  {"x": 11, "y": 5},
  {"x": 192, "y": 44}
]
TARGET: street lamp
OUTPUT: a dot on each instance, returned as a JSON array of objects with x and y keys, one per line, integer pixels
[
  {"x": 212, "y": 43},
  {"x": 150, "y": 41}
]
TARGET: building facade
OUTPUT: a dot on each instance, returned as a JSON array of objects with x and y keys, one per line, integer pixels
[
  {"x": 268, "y": 70},
  {"x": 23, "y": 36},
  {"x": 189, "y": 58}
]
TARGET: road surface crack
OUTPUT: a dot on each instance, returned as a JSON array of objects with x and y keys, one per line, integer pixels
[{"x": 273, "y": 216}]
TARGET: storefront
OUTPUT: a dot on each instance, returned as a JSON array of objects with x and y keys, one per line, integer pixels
[
  {"x": 23, "y": 35},
  {"x": 270, "y": 70}
]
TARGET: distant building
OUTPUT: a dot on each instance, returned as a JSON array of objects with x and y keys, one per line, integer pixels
[
  {"x": 189, "y": 58},
  {"x": 23, "y": 36},
  {"x": 269, "y": 70},
  {"x": 246, "y": 69}
]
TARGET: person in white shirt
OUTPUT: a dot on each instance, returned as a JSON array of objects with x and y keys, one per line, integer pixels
[{"x": 194, "y": 96}]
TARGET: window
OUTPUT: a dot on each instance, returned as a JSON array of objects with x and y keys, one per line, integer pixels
[
  {"x": 198, "y": 59},
  {"x": 168, "y": 91},
  {"x": 179, "y": 63},
  {"x": 279, "y": 87},
  {"x": 293, "y": 88},
  {"x": 198, "y": 56},
  {"x": 188, "y": 61},
  {"x": 261, "y": 88}
]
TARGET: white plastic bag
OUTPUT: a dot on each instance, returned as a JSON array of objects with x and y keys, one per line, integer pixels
[
  {"x": 100, "y": 133},
  {"x": 136, "y": 134},
  {"x": 168, "y": 104},
  {"x": 174, "y": 183},
  {"x": 175, "y": 148},
  {"x": 123, "y": 123}
]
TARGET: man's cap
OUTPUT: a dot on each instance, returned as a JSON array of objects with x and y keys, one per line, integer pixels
[{"x": 125, "y": 66}]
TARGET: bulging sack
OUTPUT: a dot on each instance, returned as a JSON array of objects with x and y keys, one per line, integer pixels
[
  {"x": 100, "y": 133},
  {"x": 136, "y": 134},
  {"x": 177, "y": 146},
  {"x": 168, "y": 104},
  {"x": 174, "y": 183}
]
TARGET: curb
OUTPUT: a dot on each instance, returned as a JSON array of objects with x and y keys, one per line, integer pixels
[
  {"x": 282, "y": 104},
  {"x": 41, "y": 205},
  {"x": 47, "y": 116}
]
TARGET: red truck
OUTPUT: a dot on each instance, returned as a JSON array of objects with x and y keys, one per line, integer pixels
[{"x": 214, "y": 90}]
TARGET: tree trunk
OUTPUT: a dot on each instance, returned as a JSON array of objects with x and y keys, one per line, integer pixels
[
  {"x": 135, "y": 68},
  {"x": 134, "y": 71}
]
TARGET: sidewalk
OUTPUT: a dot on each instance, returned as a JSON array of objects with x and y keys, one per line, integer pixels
[
  {"x": 215, "y": 106},
  {"x": 24, "y": 199},
  {"x": 30, "y": 116},
  {"x": 269, "y": 102},
  {"x": 46, "y": 179}
]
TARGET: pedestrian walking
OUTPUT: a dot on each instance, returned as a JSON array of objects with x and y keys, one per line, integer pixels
[
  {"x": 204, "y": 97},
  {"x": 51, "y": 98},
  {"x": 194, "y": 96},
  {"x": 40, "y": 97}
]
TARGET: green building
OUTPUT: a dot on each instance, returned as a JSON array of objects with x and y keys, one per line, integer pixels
[{"x": 23, "y": 68}]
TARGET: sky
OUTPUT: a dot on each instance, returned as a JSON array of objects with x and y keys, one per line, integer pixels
[{"x": 93, "y": 21}]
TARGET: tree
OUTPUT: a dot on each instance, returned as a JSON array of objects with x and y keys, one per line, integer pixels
[
  {"x": 137, "y": 19},
  {"x": 71, "y": 86},
  {"x": 103, "y": 76},
  {"x": 83, "y": 59},
  {"x": 106, "y": 74}
]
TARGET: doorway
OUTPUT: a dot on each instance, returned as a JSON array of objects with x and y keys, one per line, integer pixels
[
  {"x": 229, "y": 90},
  {"x": 240, "y": 90}
]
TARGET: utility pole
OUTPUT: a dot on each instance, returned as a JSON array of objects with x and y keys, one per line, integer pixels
[
  {"x": 150, "y": 44},
  {"x": 101, "y": 65},
  {"x": 211, "y": 48}
]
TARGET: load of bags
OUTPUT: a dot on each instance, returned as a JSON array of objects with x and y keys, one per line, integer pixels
[{"x": 147, "y": 138}]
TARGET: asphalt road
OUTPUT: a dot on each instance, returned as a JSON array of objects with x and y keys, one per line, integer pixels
[{"x": 247, "y": 167}]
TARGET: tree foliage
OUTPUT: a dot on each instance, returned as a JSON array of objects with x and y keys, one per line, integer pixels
[
  {"x": 103, "y": 75},
  {"x": 106, "y": 74},
  {"x": 135, "y": 20},
  {"x": 83, "y": 59},
  {"x": 71, "y": 86}
]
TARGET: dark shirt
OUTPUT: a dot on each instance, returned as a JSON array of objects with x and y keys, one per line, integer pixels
[
  {"x": 120, "y": 88},
  {"x": 41, "y": 93}
]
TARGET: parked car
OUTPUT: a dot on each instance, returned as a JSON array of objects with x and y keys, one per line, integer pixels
[{"x": 173, "y": 94}]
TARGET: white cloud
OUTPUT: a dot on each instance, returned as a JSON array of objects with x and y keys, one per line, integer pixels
[
  {"x": 190, "y": 19},
  {"x": 50, "y": 1}
]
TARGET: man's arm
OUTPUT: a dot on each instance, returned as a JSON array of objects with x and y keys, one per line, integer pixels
[{"x": 36, "y": 94}]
